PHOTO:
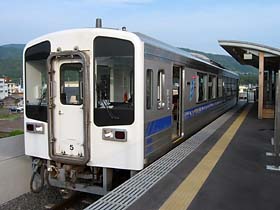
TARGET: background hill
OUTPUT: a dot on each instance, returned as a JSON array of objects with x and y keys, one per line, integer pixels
[{"x": 11, "y": 63}]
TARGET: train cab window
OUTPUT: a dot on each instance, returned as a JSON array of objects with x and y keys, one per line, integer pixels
[
  {"x": 71, "y": 80},
  {"x": 160, "y": 89},
  {"x": 201, "y": 87},
  {"x": 36, "y": 80},
  {"x": 212, "y": 87},
  {"x": 114, "y": 81},
  {"x": 149, "y": 89}
]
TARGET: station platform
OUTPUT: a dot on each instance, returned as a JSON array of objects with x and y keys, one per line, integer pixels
[
  {"x": 15, "y": 168},
  {"x": 239, "y": 180},
  {"x": 226, "y": 171}
]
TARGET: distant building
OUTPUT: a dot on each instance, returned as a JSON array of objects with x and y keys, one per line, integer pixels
[
  {"x": 7, "y": 79},
  {"x": 243, "y": 88},
  {"x": 11, "y": 88},
  {"x": 18, "y": 89},
  {"x": 3, "y": 88},
  {"x": 13, "y": 100}
]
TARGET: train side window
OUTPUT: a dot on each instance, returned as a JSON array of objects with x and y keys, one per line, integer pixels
[
  {"x": 201, "y": 87},
  {"x": 220, "y": 87},
  {"x": 149, "y": 89},
  {"x": 233, "y": 87},
  {"x": 228, "y": 86},
  {"x": 212, "y": 87},
  {"x": 225, "y": 86},
  {"x": 160, "y": 89},
  {"x": 215, "y": 87}
]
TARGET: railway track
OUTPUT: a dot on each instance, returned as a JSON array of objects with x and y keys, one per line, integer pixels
[{"x": 73, "y": 201}]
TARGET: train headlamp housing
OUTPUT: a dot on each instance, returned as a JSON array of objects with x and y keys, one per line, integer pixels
[
  {"x": 107, "y": 134},
  {"x": 35, "y": 128},
  {"x": 114, "y": 134}
]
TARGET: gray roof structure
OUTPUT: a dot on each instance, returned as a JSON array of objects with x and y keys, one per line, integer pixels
[{"x": 237, "y": 49}]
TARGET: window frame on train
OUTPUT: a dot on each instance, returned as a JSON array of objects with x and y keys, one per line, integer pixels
[
  {"x": 204, "y": 97},
  {"x": 36, "y": 77},
  {"x": 220, "y": 86},
  {"x": 212, "y": 86},
  {"x": 160, "y": 89},
  {"x": 149, "y": 89},
  {"x": 71, "y": 93},
  {"x": 117, "y": 108}
]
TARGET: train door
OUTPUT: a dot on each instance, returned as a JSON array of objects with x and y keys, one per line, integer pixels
[
  {"x": 68, "y": 131},
  {"x": 177, "y": 102}
]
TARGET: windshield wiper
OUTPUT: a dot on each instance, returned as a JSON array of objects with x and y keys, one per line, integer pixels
[
  {"x": 110, "y": 113},
  {"x": 44, "y": 94}
]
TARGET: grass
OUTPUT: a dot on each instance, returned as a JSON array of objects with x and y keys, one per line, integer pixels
[
  {"x": 12, "y": 133},
  {"x": 16, "y": 132},
  {"x": 4, "y": 134},
  {"x": 10, "y": 116}
]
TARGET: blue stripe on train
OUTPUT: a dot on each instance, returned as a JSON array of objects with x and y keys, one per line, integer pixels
[
  {"x": 149, "y": 140},
  {"x": 190, "y": 113},
  {"x": 166, "y": 122},
  {"x": 158, "y": 125}
]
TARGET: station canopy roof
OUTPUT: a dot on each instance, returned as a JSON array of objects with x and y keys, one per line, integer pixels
[{"x": 247, "y": 53}]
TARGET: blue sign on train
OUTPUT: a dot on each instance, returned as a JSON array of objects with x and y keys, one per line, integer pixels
[{"x": 192, "y": 89}]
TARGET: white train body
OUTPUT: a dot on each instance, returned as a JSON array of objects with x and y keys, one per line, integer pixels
[
  {"x": 110, "y": 154},
  {"x": 104, "y": 99}
]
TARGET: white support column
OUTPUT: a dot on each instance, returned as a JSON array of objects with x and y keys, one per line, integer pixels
[
  {"x": 261, "y": 81},
  {"x": 270, "y": 86},
  {"x": 276, "y": 139}
]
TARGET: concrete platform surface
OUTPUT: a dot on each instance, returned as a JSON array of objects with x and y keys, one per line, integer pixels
[
  {"x": 11, "y": 147},
  {"x": 15, "y": 176},
  {"x": 15, "y": 168},
  {"x": 239, "y": 180}
]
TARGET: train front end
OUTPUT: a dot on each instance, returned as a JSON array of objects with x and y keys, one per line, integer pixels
[{"x": 84, "y": 108}]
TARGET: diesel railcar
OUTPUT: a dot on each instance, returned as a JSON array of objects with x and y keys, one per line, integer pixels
[{"x": 99, "y": 102}]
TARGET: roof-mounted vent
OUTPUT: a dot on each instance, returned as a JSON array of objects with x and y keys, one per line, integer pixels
[{"x": 98, "y": 23}]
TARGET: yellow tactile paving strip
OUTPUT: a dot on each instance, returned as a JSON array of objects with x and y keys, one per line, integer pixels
[{"x": 182, "y": 197}]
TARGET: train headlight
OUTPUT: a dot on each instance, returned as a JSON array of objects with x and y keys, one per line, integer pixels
[
  {"x": 39, "y": 128},
  {"x": 108, "y": 134},
  {"x": 114, "y": 134}
]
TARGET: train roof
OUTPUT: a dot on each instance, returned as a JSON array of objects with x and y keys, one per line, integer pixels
[
  {"x": 159, "y": 44},
  {"x": 154, "y": 43}
]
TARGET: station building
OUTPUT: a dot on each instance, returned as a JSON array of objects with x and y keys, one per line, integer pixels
[{"x": 3, "y": 89}]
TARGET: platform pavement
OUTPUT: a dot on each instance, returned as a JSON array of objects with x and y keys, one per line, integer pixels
[
  {"x": 11, "y": 147},
  {"x": 239, "y": 180},
  {"x": 15, "y": 168}
]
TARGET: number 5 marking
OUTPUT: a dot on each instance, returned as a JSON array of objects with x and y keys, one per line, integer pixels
[{"x": 71, "y": 147}]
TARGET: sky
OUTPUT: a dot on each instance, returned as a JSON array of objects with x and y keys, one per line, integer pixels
[{"x": 195, "y": 24}]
